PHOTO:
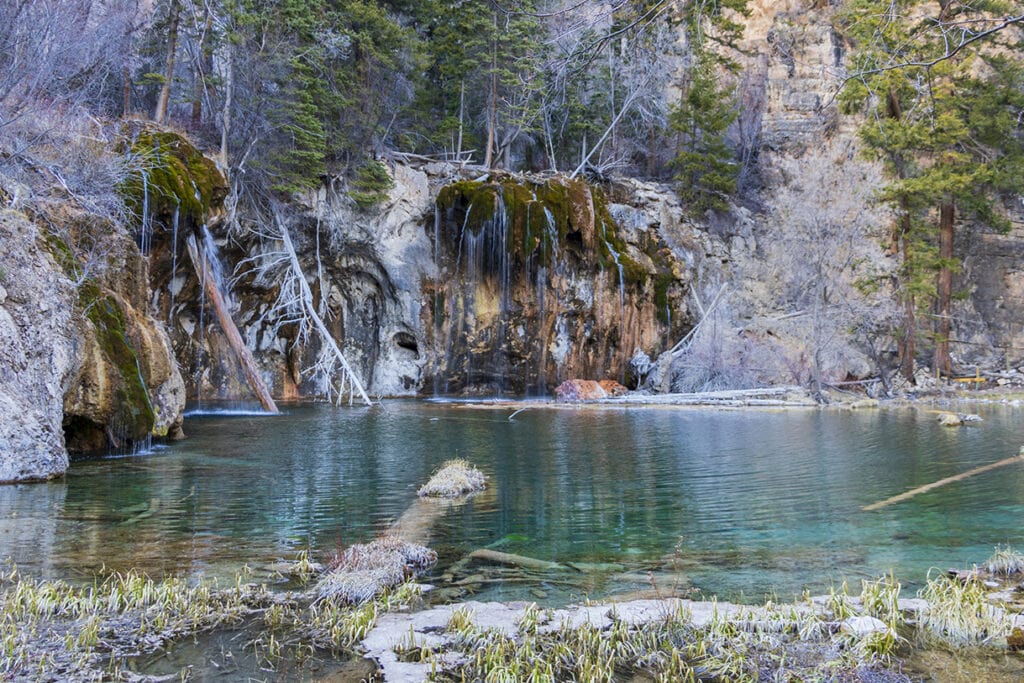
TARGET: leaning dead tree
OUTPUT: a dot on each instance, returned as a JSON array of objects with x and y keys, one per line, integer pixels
[
  {"x": 209, "y": 282},
  {"x": 296, "y": 306}
]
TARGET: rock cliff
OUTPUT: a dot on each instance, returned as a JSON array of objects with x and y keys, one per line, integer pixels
[{"x": 84, "y": 367}]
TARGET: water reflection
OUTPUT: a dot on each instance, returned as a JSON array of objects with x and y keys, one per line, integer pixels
[{"x": 739, "y": 502}]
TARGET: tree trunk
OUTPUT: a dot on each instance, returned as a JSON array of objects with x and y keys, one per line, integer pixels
[
  {"x": 126, "y": 91},
  {"x": 492, "y": 108},
  {"x": 944, "y": 308},
  {"x": 225, "y": 122},
  {"x": 462, "y": 108},
  {"x": 907, "y": 345},
  {"x": 163, "y": 100},
  {"x": 492, "y": 100},
  {"x": 203, "y": 67},
  {"x": 252, "y": 373}
]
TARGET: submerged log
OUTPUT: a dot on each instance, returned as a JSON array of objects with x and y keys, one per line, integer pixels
[
  {"x": 493, "y": 556},
  {"x": 942, "y": 482},
  {"x": 252, "y": 374},
  {"x": 417, "y": 522}
]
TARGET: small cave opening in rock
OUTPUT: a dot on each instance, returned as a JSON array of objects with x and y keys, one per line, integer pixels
[
  {"x": 407, "y": 342},
  {"x": 83, "y": 436}
]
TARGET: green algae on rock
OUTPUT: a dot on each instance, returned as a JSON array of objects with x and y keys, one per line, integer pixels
[{"x": 173, "y": 175}]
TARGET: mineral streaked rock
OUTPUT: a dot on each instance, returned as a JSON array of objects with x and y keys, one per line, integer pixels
[
  {"x": 81, "y": 364},
  {"x": 38, "y": 357},
  {"x": 588, "y": 390}
]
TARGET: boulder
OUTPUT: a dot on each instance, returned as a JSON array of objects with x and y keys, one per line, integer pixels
[
  {"x": 957, "y": 419},
  {"x": 588, "y": 390},
  {"x": 863, "y": 626}
]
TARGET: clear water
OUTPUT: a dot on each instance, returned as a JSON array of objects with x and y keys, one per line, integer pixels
[{"x": 739, "y": 504}]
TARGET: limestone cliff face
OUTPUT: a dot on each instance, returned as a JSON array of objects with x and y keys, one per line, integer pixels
[
  {"x": 38, "y": 358},
  {"x": 450, "y": 286},
  {"x": 793, "y": 61},
  {"x": 84, "y": 366}
]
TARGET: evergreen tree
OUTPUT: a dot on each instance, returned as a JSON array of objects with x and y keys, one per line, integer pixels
[
  {"x": 483, "y": 83},
  {"x": 704, "y": 166},
  {"x": 946, "y": 128}
]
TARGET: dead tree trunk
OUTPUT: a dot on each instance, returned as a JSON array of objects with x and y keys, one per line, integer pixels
[
  {"x": 163, "y": 100},
  {"x": 941, "y": 360},
  {"x": 309, "y": 308},
  {"x": 252, "y": 374}
]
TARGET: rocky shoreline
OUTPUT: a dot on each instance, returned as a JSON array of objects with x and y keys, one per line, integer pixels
[{"x": 125, "y": 627}]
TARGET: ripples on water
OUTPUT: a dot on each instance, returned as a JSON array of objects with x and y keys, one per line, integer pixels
[{"x": 745, "y": 503}]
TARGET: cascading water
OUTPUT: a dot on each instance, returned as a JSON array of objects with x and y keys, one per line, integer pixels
[
  {"x": 622, "y": 291},
  {"x": 146, "y": 228},
  {"x": 216, "y": 269},
  {"x": 174, "y": 265},
  {"x": 521, "y": 296},
  {"x": 201, "y": 341}
]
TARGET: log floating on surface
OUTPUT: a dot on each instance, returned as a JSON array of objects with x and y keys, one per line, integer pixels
[
  {"x": 252, "y": 374},
  {"x": 942, "y": 482}
]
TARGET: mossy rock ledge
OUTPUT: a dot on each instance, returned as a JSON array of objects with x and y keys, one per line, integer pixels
[{"x": 171, "y": 175}]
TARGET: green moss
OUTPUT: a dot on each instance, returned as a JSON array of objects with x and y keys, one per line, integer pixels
[
  {"x": 174, "y": 175},
  {"x": 62, "y": 254},
  {"x": 569, "y": 203},
  {"x": 133, "y": 416}
]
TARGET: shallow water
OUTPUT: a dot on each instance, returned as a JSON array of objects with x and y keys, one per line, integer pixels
[{"x": 743, "y": 503}]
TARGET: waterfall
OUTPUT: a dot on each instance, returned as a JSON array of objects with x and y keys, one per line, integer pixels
[
  {"x": 174, "y": 267},
  {"x": 622, "y": 294},
  {"x": 439, "y": 303},
  {"x": 145, "y": 231},
  {"x": 216, "y": 267},
  {"x": 202, "y": 338},
  {"x": 216, "y": 270}
]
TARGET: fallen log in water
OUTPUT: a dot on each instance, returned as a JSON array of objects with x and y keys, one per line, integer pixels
[
  {"x": 252, "y": 373},
  {"x": 495, "y": 557},
  {"x": 766, "y": 397},
  {"x": 942, "y": 482},
  {"x": 418, "y": 520}
]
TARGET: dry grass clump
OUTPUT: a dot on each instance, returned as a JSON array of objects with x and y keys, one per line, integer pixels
[
  {"x": 960, "y": 614},
  {"x": 367, "y": 570},
  {"x": 454, "y": 479},
  {"x": 1005, "y": 562}
]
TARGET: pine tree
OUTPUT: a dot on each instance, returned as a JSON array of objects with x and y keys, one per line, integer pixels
[
  {"x": 704, "y": 167},
  {"x": 946, "y": 130}
]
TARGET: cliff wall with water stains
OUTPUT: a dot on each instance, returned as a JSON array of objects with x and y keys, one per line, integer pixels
[
  {"x": 84, "y": 366},
  {"x": 456, "y": 284}
]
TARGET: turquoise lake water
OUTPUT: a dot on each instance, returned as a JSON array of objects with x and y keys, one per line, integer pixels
[{"x": 734, "y": 503}]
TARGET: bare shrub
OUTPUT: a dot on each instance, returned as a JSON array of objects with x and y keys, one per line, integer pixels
[{"x": 722, "y": 355}]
